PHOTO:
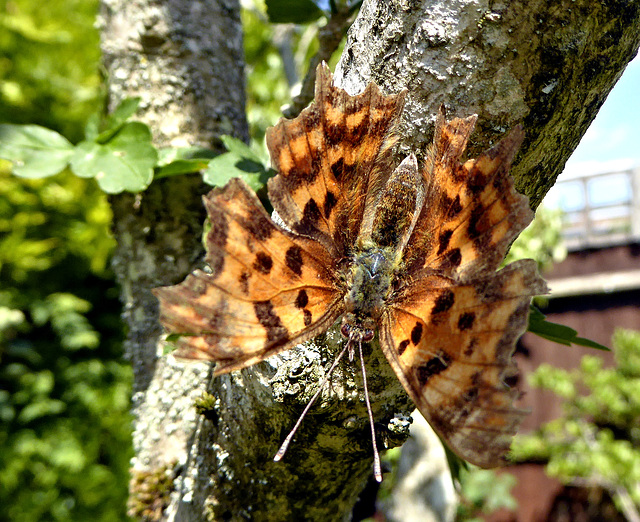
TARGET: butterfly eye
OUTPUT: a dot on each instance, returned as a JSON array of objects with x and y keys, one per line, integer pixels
[
  {"x": 367, "y": 336},
  {"x": 345, "y": 330}
]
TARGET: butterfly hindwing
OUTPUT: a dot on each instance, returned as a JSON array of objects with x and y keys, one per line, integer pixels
[
  {"x": 267, "y": 290},
  {"x": 451, "y": 347}
]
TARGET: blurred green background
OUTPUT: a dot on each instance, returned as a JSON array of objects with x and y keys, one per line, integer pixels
[{"x": 65, "y": 428}]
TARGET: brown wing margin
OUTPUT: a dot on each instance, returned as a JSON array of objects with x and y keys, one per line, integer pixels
[
  {"x": 451, "y": 348},
  {"x": 325, "y": 158},
  {"x": 267, "y": 291}
]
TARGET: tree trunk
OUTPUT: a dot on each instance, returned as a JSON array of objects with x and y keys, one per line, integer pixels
[{"x": 547, "y": 65}]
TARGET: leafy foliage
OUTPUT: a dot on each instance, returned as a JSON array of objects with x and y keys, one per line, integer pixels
[
  {"x": 597, "y": 441},
  {"x": 293, "y": 11},
  {"x": 64, "y": 393},
  {"x": 541, "y": 240},
  {"x": 239, "y": 162},
  {"x": 557, "y": 333},
  {"x": 484, "y": 491}
]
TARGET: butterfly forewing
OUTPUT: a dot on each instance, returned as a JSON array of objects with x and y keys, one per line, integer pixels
[
  {"x": 326, "y": 157},
  {"x": 472, "y": 212}
]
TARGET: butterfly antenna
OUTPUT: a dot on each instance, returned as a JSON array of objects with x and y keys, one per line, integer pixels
[
  {"x": 283, "y": 449},
  {"x": 377, "y": 471}
]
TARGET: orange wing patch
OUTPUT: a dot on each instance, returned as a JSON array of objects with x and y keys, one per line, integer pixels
[
  {"x": 267, "y": 290},
  {"x": 451, "y": 348}
]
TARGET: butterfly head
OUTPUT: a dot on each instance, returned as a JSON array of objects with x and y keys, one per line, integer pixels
[{"x": 356, "y": 330}]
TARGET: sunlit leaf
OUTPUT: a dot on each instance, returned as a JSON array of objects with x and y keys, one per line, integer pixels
[
  {"x": 35, "y": 152},
  {"x": 239, "y": 162},
  {"x": 124, "y": 163},
  {"x": 118, "y": 118},
  {"x": 186, "y": 160}
]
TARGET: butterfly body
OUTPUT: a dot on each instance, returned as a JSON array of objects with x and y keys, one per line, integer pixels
[
  {"x": 369, "y": 288},
  {"x": 410, "y": 252}
]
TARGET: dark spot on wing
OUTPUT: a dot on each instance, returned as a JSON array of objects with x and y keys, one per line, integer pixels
[
  {"x": 403, "y": 346},
  {"x": 416, "y": 333},
  {"x": 258, "y": 226},
  {"x": 293, "y": 259},
  {"x": 334, "y": 133},
  {"x": 451, "y": 260},
  {"x": 443, "y": 240},
  {"x": 310, "y": 216},
  {"x": 465, "y": 321},
  {"x": 329, "y": 202},
  {"x": 276, "y": 331},
  {"x": 307, "y": 317},
  {"x": 468, "y": 351},
  {"x": 444, "y": 302},
  {"x": 452, "y": 206},
  {"x": 475, "y": 227},
  {"x": 357, "y": 131},
  {"x": 337, "y": 167},
  {"x": 244, "y": 282},
  {"x": 263, "y": 263},
  {"x": 302, "y": 300},
  {"x": 470, "y": 395},
  {"x": 476, "y": 181},
  {"x": 432, "y": 367}
]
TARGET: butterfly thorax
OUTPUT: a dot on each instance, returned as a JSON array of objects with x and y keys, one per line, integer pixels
[{"x": 369, "y": 286}]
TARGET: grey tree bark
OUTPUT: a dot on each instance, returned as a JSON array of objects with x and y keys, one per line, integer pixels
[{"x": 549, "y": 65}]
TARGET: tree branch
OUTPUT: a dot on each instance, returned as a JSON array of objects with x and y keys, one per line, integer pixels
[{"x": 549, "y": 65}]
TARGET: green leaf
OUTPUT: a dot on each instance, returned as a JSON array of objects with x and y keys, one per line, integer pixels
[
  {"x": 118, "y": 118},
  {"x": 558, "y": 333},
  {"x": 240, "y": 148},
  {"x": 39, "y": 409},
  {"x": 181, "y": 167},
  {"x": 124, "y": 163},
  {"x": 123, "y": 111},
  {"x": 35, "y": 152},
  {"x": 168, "y": 155},
  {"x": 239, "y": 162},
  {"x": 293, "y": 11},
  {"x": 92, "y": 126},
  {"x": 186, "y": 160}
]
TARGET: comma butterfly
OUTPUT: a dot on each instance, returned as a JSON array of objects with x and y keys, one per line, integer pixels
[{"x": 411, "y": 253}]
